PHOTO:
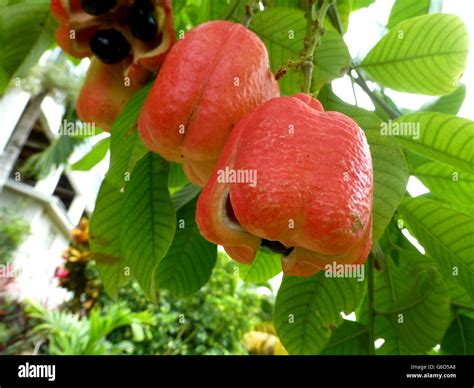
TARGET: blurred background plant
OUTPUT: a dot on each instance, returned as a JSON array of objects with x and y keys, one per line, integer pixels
[
  {"x": 65, "y": 333},
  {"x": 78, "y": 273},
  {"x": 222, "y": 318},
  {"x": 13, "y": 231},
  {"x": 212, "y": 321}
]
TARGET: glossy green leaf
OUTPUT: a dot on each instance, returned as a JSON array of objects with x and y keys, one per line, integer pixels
[
  {"x": 331, "y": 59},
  {"x": 446, "y": 234},
  {"x": 406, "y": 9},
  {"x": 450, "y": 104},
  {"x": 189, "y": 262},
  {"x": 93, "y": 157},
  {"x": 126, "y": 147},
  {"x": 425, "y": 55},
  {"x": 308, "y": 309},
  {"x": 459, "y": 338},
  {"x": 177, "y": 177},
  {"x": 283, "y": 31},
  {"x": 185, "y": 195},
  {"x": 104, "y": 238},
  {"x": 148, "y": 220},
  {"x": 351, "y": 338},
  {"x": 438, "y": 136},
  {"x": 415, "y": 299},
  {"x": 26, "y": 32},
  {"x": 448, "y": 183},
  {"x": 265, "y": 266}
]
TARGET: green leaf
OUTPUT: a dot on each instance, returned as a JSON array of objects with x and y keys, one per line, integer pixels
[
  {"x": 331, "y": 59},
  {"x": 451, "y": 103},
  {"x": 392, "y": 343},
  {"x": 283, "y": 31},
  {"x": 265, "y": 266},
  {"x": 57, "y": 154},
  {"x": 390, "y": 170},
  {"x": 148, "y": 220},
  {"x": 220, "y": 10},
  {"x": 448, "y": 183},
  {"x": 126, "y": 147},
  {"x": 459, "y": 338},
  {"x": 460, "y": 297},
  {"x": 446, "y": 234},
  {"x": 357, "y": 4},
  {"x": 344, "y": 8},
  {"x": 425, "y": 55},
  {"x": 104, "y": 238},
  {"x": 177, "y": 177},
  {"x": 26, "y": 32},
  {"x": 190, "y": 259},
  {"x": 284, "y": 3},
  {"x": 406, "y": 9},
  {"x": 185, "y": 195},
  {"x": 415, "y": 299},
  {"x": 308, "y": 309},
  {"x": 438, "y": 136},
  {"x": 94, "y": 156},
  {"x": 351, "y": 338}
]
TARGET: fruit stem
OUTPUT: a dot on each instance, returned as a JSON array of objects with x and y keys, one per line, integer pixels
[{"x": 314, "y": 33}]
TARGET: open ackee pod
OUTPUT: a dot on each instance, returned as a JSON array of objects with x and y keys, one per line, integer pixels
[
  {"x": 310, "y": 193},
  {"x": 118, "y": 67},
  {"x": 77, "y": 27}
]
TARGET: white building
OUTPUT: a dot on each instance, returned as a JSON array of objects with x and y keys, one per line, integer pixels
[{"x": 52, "y": 206}]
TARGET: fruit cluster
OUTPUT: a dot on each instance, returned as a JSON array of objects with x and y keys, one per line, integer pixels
[{"x": 277, "y": 172}]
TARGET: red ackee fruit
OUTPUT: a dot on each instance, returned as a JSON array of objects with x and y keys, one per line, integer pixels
[
  {"x": 213, "y": 77},
  {"x": 130, "y": 38},
  {"x": 308, "y": 189}
]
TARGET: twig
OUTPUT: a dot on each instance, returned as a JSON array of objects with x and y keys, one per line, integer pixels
[
  {"x": 314, "y": 32},
  {"x": 375, "y": 99},
  {"x": 313, "y": 38},
  {"x": 248, "y": 14}
]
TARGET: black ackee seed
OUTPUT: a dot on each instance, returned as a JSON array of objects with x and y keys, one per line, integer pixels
[
  {"x": 110, "y": 46},
  {"x": 97, "y": 7},
  {"x": 142, "y": 20},
  {"x": 276, "y": 247}
]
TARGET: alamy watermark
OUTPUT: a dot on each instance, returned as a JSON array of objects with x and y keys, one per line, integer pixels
[
  {"x": 395, "y": 128},
  {"x": 230, "y": 175},
  {"x": 77, "y": 128},
  {"x": 335, "y": 270},
  {"x": 8, "y": 270}
]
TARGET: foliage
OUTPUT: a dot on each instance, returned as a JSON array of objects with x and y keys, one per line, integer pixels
[
  {"x": 68, "y": 334},
  {"x": 413, "y": 300},
  {"x": 13, "y": 231},
  {"x": 211, "y": 321}
]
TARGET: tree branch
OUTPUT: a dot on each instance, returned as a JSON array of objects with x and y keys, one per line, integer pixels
[{"x": 375, "y": 99}]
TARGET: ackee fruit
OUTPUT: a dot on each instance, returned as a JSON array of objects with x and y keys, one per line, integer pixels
[
  {"x": 310, "y": 193},
  {"x": 213, "y": 77},
  {"x": 135, "y": 35}
]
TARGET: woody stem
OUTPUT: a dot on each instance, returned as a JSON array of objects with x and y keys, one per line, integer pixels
[{"x": 315, "y": 31}]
